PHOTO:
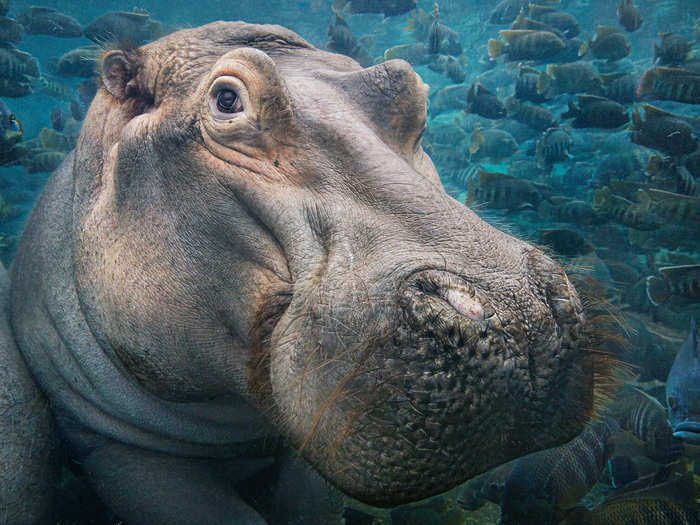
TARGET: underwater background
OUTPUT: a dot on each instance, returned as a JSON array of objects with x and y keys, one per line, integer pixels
[{"x": 573, "y": 125}]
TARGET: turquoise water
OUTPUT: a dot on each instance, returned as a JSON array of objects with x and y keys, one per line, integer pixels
[{"x": 638, "y": 199}]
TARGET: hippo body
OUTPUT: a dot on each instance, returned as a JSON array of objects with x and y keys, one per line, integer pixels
[{"x": 246, "y": 291}]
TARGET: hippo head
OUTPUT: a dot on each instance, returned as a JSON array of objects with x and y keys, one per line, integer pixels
[{"x": 254, "y": 216}]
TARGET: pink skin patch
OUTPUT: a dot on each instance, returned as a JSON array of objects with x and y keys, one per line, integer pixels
[{"x": 464, "y": 303}]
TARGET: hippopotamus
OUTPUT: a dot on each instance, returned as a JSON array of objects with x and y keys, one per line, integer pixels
[{"x": 249, "y": 246}]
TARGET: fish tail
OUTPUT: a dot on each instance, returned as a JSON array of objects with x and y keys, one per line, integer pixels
[
  {"x": 657, "y": 290},
  {"x": 496, "y": 48}
]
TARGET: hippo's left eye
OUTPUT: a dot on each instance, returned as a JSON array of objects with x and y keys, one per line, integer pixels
[{"x": 227, "y": 97}]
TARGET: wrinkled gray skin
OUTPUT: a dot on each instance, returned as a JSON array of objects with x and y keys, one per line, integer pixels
[
  {"x": 191, "y": 280},
  {"x": 683, "y": 390}
]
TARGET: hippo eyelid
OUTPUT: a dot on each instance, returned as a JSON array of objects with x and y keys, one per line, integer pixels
[{"x": 228, "y": 83}]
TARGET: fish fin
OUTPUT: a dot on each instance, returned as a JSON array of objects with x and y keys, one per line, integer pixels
[
  {"x": 475, "y": 141},
  {"x": 655, "y": 112},
  {"x": 657, "y": 290},
  {"x": 544, "y": 82},
  {"x": 573, "y": 111},
  {"x": 496, "y": 48},
  {"x": 657, "y": 52},
  {"x": 481, "y": 90},
  {"x": 603, "y": 31}
]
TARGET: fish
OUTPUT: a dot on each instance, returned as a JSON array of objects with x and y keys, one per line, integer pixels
[
  {"x": 80, "y": 62},
  {"x": 566, "y": 242},
  {"x": 523, "y": 22},
  {"x": 667, "y": 83},
  {"x": 543, "y": 485},
  {"x": 342, "y": 40},
  {"x": 526, "y": 86},
  {"x": 419, "y": 23},
  {"x": 384, "y": 7},
  {"x": 48, "y": 21},
  {"x": 596, "y": 112},
  {"x": 662, "y": 131},
  {"x": 523, "y": 44},
  {"x": 553, "y": 146},
  {"x": 10, "y": 31},
  {"x": 493, "y": 144},
  {"x": 576, "y": 77},
  {"x": 629, "y": 16},
  {"x": 674, "y": 281},
  {"x": 624, "y": 211},
  {"x": 461, "y": 177},
  {"x": 43, "y": 161},
  {"x": 673, "y": 51},
  {"x": 683, "y": 386},
  {"x": 483, "y": 102},
  {"x": 449, "y": 66},
  {"x": 620, "y": 87},
  {"x": 646, "y": 418},
  {"x": 448, "y": 98},
  {"x": 58, "y": 119},
  {"x": 451, "y": 134},
  {"x": 537, "y": 117},
  {"x": 55, "y": 88},
  {"x": 670, "y": 503},
  {"x": 561, "y": 21},
  {"x": 76, "y": 110},
  {"x": 442, "y": 39},
  {"x": 568, "y": 210},
  {"x": 502, "y": 191},
  {"x": 10, "y": 133},
  {"x": 17, "y": 66},
  {"x": 609, "y": 44},
  {"x": 124, "y": 28},
  {"x": 506, "y": 11},
  {"x": 55, "y": 141},
  {"x": 415, "y": 53},
  {"x": 87, "y": 90},
  {"x": 485, "y": 487}
]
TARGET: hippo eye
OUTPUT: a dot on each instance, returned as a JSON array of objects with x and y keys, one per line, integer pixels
[{"x": 227, "y": 101}]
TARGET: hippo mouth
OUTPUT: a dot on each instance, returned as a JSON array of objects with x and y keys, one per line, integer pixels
[
  {"x": 688, "y": 430},
  {"x": 459, "y": 384}
]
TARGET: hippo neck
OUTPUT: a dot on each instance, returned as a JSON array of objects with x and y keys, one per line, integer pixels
[{"x": 90, "y": 393}]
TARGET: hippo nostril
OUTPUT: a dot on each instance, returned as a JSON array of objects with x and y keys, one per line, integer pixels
[{"x": 464, "y": 303}]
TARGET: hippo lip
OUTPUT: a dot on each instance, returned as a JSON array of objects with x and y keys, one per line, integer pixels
[{"x": 688, "y": 430}]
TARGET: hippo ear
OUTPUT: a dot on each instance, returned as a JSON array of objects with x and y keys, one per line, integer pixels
[{"x": 117, "y": 71}]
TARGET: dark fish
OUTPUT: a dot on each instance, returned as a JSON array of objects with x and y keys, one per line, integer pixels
[
  {"x": 576, "y": 77},
  {"x": 80, "y": 62},
  {"x": 666, "y": 83},
  {"x": 624, "y": 211},
  {"x": 450, "y": 67},
  {"x": 486, "y": 487},
  {"x": 14, "y": 88},
  {"x": 683, "y": 386},
  {"x": 570, "y": 53},
  {"x": 568, "y": 210},
  {"x": 55, "y": 88},
  {"x": 87, "y": 90},
  {"x": 680, "y": 281},
  {"x": 442, "y": 39},
  {"x": 76, "y": 110},
  {"x": 629, "y": 16},
  {"x": 17, "y": 66},
  {"x": 415, "y": 53},
  {"x": 449, "y": 98},
  {"x": 662, "y": 131},
  {"x": 596, "y": 112},
  {"x": 10, "y": 133},
  {"x": 543, "y": 485},
  {"x": 643, "y": 415},
  {"x": 43, "y": 161},
  {"x": 553, "y": 146},
  {"x": 342, "y": 40},
  {"x": 58, "y": 119},
  {"x": 481, "y": 101},
  {"x": 526, "y": 86},
  {"x": 494, "y": 144},
  {"x": 609, "y": 43},
  {"x": 123, "y": 28},
  {"x": 526, "y": 45},
  {"x": 502, "y": 191},
  {"x": 451, "y": 134},
  {"x": 568, "y": 243},
  {"x": 10, "y": 31},
  {"x": 620, "y": 87},
  {"x": 385, "y": 7},
  {"x": 669, "y": 503},
  {"x": 48, "y": 21},
  {"x": 673, "y": 51},
  {"x": 537, "y": 117},
  {"x": 563, "y": 22},
  {"x": 506, "y": 11}
]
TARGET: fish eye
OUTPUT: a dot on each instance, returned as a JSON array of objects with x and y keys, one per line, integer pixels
[{"x": 225, "y": 97}]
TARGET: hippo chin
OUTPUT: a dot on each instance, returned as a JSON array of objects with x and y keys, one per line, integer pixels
[{"x": 249, "y": 241}]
